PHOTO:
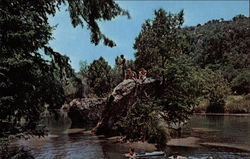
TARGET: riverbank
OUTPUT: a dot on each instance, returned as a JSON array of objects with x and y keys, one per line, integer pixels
[
  {"x": 209, "y": 140},
  {"x": 210, "y": 131},
  {"x": 199, "y": 138},
  {"x": 223, "y": 114},
  {"x": 195, "y": 138},
  {"x": 234, "y": 104},
  {"x": 79, "y": 143}
]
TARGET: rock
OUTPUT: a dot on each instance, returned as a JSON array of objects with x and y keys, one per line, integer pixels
[
  {"x": 86, "y": 111},
  {"x": 122, "y": 97},
  {"x": 104, "y": 112}
]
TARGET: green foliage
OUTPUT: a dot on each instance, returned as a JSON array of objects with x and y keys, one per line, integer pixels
[
  {"x": 181, "y": 91},
  {"x": 143, "y": 123},
  {"x": 27, "y": 80},
  {"x": 241, "y": 83},
  {"x": 233, "y": 104},
  {"x": 216, "y": 89},
  {"x": 83, "y": 67},
  {"x": 159, "y": 41},
  {"x": 92, "y": 11},
  {"x": 27, "y": 83},
  {"x": 116, "y": 72},
  {"x": 63, "y": 72},
  {"x": 20, "y": 14},
  {"x": 159, "y": 50},
  {"x": 223, "y": 47},
  {"x": 163, "y": 49},
  {"x": 99, "y": 77},
  {"x": 238, "y": 104}
]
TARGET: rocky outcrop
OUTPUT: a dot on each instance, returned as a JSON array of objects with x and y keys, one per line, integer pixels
[
  {"x": 122, "y": 97},
  {"x": 107, "y": 111},
  {"x": 86, "y": 111}
]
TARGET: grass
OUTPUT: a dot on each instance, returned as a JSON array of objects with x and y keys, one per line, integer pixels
[
  {"x": 238, "y": 104},
  {"x": 234, "y": 104}
]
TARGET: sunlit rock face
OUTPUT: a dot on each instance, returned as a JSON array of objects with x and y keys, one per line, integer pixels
[
  {"x": 119, "y": 102},
  {"x": 56, "y": 121},
  {"x": 104, "y": 112}
]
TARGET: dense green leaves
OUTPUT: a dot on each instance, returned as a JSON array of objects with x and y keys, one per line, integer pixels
[
  {"x": 159, "y": 41},
  {"x": 92, "y": 11},
  {"x": 99, "y": 77},
  {"x": 222, "y": 46},
  {"x": 165, "y": 50},
  {"x": 159, "y": 49},
  {"x": 26, "y": 86},
  {"x": 144, "y": 123},
  {"x": 27, "y": 80}
]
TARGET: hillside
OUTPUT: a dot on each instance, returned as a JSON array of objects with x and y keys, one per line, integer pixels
[{"x": 223, "y": 46}]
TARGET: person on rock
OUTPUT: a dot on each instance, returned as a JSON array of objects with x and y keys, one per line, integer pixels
[
  {"x": 142, "y": 74},
  {"x": 130, "y": 74},
  {"x": 123, "y": 65}
]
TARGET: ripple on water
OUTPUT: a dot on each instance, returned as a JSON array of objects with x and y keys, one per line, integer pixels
[{"x": 64, "y": 146}]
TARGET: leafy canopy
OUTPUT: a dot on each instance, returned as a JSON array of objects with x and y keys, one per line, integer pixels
[{"x": 27, "y": 80}]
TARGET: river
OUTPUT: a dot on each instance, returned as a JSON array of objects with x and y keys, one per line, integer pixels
[{"x": 79, "y": 146}]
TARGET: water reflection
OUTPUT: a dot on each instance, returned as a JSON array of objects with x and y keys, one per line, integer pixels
[
  {"x": 64, "y": 146},
  {"x": 233, "y": 127},
  {"x": 79, "y": 146},
  {"x": 56, "y": 121}
]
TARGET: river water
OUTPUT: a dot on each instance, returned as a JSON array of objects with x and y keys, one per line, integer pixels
[
  {"x": 235, "y": 128},
  {"x": 79, "y": 146}
]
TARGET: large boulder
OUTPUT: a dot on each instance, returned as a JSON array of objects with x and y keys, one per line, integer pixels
[
  {"x": 105, "y": 112},
  {"x": 86, "y": 111},
  {"x": 123, "y": 96}
]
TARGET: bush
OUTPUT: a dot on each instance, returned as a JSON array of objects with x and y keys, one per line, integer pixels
[
  {"x": 217, "y": 89},
  {"x": 238, "y": 105},
  {"x": 247, "y": 97},
  {"x": 202, "y": 107},
  {"x": 142, "y": 123}
]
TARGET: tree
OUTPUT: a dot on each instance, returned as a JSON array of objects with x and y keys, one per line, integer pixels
[
  {"x": 116, "y": 72},
  {"x": 160, "y": 49},
  {"x": 83, "y": 67},
  {"x": 143, "y": 123},
  {"x": 28, "y": 81},
  {"x": 99, "y": 77},
  {"x": 241, "y": 83},
  {"x": 216, "y": 89},
  {"x": 222, "y": 46},
  {"x": 159, "y": 41}
]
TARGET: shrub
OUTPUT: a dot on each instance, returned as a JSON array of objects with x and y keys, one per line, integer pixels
[
  {"x": 238, "y": 105},
  {"x": 142, "y": 123},
  {"x": 202, "y": 107}
]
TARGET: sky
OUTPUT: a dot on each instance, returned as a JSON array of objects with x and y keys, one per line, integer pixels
[{"x": 75, "y": 42}]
